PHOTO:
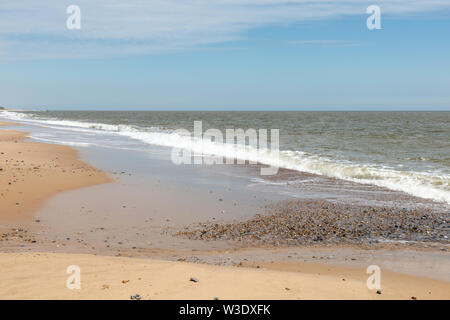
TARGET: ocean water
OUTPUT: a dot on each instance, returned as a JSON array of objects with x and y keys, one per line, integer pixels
[{"x": 401, "y": 151}]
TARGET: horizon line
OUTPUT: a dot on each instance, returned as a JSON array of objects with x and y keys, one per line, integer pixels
[{"x": 443, "y": 109}]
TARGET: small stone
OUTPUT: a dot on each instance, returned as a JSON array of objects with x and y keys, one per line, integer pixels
[
  {"x": 378, "y": 291},
  {"x": 135, "y": 297},
  {"x": 194, "y": 280}
]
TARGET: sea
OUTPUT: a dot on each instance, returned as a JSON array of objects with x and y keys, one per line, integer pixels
[{"x": 406, "y": 152}]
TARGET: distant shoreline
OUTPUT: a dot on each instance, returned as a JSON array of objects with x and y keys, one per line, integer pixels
[{"x": 207, "y": 110}]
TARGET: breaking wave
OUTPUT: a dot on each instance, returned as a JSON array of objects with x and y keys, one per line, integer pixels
[{"x": 421, "y": 184}]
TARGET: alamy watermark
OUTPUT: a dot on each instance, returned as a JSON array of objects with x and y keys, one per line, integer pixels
[
  {"x": 374, "y": 280},
  {"x": 74, "y": 280},
  {"x": 236, "y": 146},
  {"x": 374, "y": 20},
  {"x": 73, "y": 22}
]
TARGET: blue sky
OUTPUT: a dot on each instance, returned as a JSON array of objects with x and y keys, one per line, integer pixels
[{"x": 232, "y": 55}]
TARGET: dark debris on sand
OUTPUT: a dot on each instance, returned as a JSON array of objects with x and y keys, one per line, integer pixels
[{"x": 322, "y": 222}]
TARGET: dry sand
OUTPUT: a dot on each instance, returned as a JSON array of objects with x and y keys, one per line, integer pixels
[
  {"x": 43, "y": 276},
  {"x": 32, "y": 172}
]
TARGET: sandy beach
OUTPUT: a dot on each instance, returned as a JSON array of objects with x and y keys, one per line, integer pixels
[
  {"x": 32, "y": 173},
  {"x": 43, "y": 276}
]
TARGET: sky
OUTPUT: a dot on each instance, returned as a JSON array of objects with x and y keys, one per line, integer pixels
[{"x": 225, "y": 55}]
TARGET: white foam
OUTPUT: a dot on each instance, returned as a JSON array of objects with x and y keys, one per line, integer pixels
[
  {"x": 63, "y": 142},
  {"x": 421, "y": 184}
]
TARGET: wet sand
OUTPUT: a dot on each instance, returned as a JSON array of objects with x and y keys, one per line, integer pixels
[
  {"x": 30, "y": 173},
  {"x": 105, "y": 219}
]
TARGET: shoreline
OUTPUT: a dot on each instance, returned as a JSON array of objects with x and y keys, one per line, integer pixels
[
  {"x": 40, "y": 171},
  {"x": 33, "y": 172}
]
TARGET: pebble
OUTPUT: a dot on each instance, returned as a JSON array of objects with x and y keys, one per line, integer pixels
[{"x": 303, "y": 222}]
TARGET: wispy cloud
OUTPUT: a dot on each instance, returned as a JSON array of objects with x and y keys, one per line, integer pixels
[
  {"x": 325, "y": 43},
  {"x": 31, "y": 29}
]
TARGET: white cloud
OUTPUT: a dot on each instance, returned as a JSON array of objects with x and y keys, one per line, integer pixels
[{"x": 32, "y": 29}]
